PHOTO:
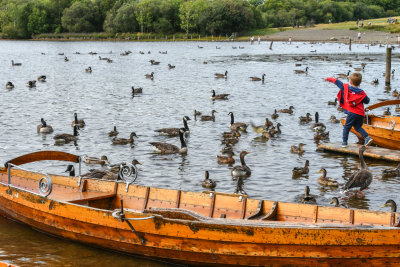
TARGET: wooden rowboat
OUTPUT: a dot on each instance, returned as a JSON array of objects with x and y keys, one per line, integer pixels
[
  {"x": 207, "y": 228},
  {"x": 385, "y": 130}
]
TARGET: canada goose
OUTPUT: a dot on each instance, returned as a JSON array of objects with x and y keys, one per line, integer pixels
[
  {"x": 102, "y": 58},
  {"x": 342, "y": 75},
  {"x": 301, "y": 170},
  {"x": 307, "y": 197},
  {"x": 207, "y": 117},
  {"x": 150, "y": 76},
  {"x": 392, "y": 204},
  {"x": 375, "y": 82},
  {"x": 208, "y": 183},
  {"x": 175, "y": 131},
  {"x": 66, "y": 138},
  {"x": 15, "y": 64},
  {"x": 333, "y": 103},
  {"x": 320, "y": 135},
  {"x": 124, "y": 141},
  {"x": 44, "y": 127},
  {"x": 360, "y": 69},
  {"x": 218, "y": 97},
  {"x": 93, "y": 160},
  {"x": 165, "y": 148},
  {"x": 301, "y": 71},
  {"x": 287, "y": 110},
  {"x": 71, "y": 170},
  {"x": 274, "y": 115},
  {"x": 335, "y": 202},
  {"x": 241, "y": 170},
  {"x": 113, "y": 132},
  {"x": 170, "y": 66},
  {"x": 31, "y": 84},
  {"x": 226, "y": 160},
  {"x": 392, "y": 172},
  {"x": 239, "y": 187},
  {"x": 221, "y": 75},
  {"x": 333, "y": 119},
  {"x": 196, "y": 113},
  {"x": 361, "y": 178},
  {"x": 137, "y": 90},
  {"x": 326, "y": 181},
  {"x": 153, "y": 62},
  {"x": 80, "y": 123},
  {"x": 89, "y": 70},
  {"x": 305, "y": 119},
  {"x": 238, "y": 125},
  {"x": 9, "y": 85},
  {"x": 257, "y": 78},
  {"x": 318, "y": 125},
  {"x": 66, "y": 59},
  {"x": 297, "y": 149},
  {"x": 42, "y": 78},
  {"x": 387, "y": 112}
]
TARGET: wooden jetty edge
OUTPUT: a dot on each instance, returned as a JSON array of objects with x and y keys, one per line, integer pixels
[{"x": 371, "y": 152}]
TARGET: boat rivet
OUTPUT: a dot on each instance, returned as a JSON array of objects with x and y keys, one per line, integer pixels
[
  {"x": 240, "y": 198},
  {"x": 211, "y": 195}
]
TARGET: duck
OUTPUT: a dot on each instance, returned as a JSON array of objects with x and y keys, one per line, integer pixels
[
  {"x": 230, "y": 141},
  {"x": 361, "y": 178},
  {"x": 31, "y": 84},
  {"x": 89, "y": 70},
  {"x": 153, "y": 62},
  {"x": 239, "y": 187},
  {"x": 392, "y": 172},
  {"x": 66, "y": 59},
  {"x": 265, "y": 135},
  {"x": 165, "y": 148},
  {"x": 261, "y": 128},
  {"x": 207, "y": 117},
  {"x": 387, "y": 112},
  {"x": 15, "y": 64},
  {"x": 241, "y": 170},
  {"x": 109, "y": 60},
  {"x": 287, "y": 110},
  {"x": 297, "y": 149},
  {"x": 318, "y": 125},
  {"x": 319, "y": 135},
  {"x": 218, "y": 97},
  {"x": 227, "y": 149},
  {"x": 238, "y": 125},
  {"x": 326, "y": 181},
  {"x": 335, "y": 202},
  {"x": 256, "y": 79},
  {"x": 9, "y": 85},
  {"x": 93, "y": 160},
  {"x": 391, "y": 73},
  {"x": 42, "y": 78},
  {"x": 115, "y": 168},
  {"x": 278, "y": 128},
  {"x": 171, "y": 66},
  {"x": 301, "y": 71},
  {"x": 307, "y": 198},
  {"x": 301, "y": 170},
  {"x": 392, "y": 204},
  {"x": 196, "y": 113},
  {"x": 149, "y": 76},
  {"x": 305, "y": 119},
  {"x": 66, "y": 138},
  {"x": 175, "y": 131},
  {"x": 342, "y": 75},
  {"x": 226, "y": 160},
  {"x": 360, "y": 69},
  {"x": 44, "y": 127},
  {"x": 101, "y": 174},
  {"x": 231, "y": 134},
  {"x": 208, "y": 183},
  {"x": 333, "y": 103},
  {"x": 71, "y": 170},
  {"x": 274, "y": 115},
  {"x": 124, "y": 141},
  {"x": 102, "y": 58},
  {"x": 137, "y": 90},
  {"x": 113, "y": 132},
  {"x": 333, "y": 119},
  {"x": 80, "y": 123},
  {"x": 375, "y": 82},
  {"x": 395, "y": 93},
  {"x": 339, "y": 108},
  {"x": 221, "y": 75}
]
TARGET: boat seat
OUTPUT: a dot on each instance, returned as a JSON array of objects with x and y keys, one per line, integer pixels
[
  {"x": 77, "y": 197},
  {"x": 176, "y": 213}
]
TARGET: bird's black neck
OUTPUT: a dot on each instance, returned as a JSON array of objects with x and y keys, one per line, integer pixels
[
  {"x": 232, "y": 119},
  {"x": 183, "y": 143},
  {"x": 185, "y": 124}
]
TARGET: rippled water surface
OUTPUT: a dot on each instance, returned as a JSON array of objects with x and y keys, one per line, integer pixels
[{"x": 103, "y": 99}]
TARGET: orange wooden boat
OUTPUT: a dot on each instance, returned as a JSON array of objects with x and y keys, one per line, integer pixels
[
  {"x": 385, "y": 130},
  {"x": 207, "y": 228}
]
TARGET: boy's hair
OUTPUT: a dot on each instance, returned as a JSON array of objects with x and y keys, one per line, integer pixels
[{"x": 355, "y": 78}]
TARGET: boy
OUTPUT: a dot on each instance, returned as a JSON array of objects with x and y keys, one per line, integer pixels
[{"x": 352, "y": 99}]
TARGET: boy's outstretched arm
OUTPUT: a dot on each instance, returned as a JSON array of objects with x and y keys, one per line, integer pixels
[{"x": 337, "y": 82}]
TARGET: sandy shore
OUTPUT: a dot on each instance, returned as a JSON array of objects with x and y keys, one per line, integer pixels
[{"x": 313, "y": 34}]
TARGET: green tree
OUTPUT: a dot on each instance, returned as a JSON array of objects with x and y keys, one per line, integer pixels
[
  {"x": 80, "y": 17},
  {"x": 144, "y": 15}
]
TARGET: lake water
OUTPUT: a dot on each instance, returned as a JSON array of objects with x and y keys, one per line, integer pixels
[{"x": 103, "y": 99}]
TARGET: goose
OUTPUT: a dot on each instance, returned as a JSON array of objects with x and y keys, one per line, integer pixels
[
  {"x": 326, "y": 181},
  {"x": 287, "y": 110},
  {"x": 196, "y": 113},
  {"x": 239, "y": 187},
  {"x": 318, "y": 125},
  {"x": 171, "y": 66},
  {"x": 391, "y": 74},
  {"x": 226, "y": 160},
  {"x": 335, "y": 202},
  {"x": 101, "y": 174},
  {"x": 80, "y": 123},
  {"x": 387, "y": 112},
  {"x": 342, "y": 75},
  {"x": 321, "y": 135},
  {"x": 301, "y": 170},
  {"x": 238, "y": 125},
  {"x": 392, "y": 172},
  {"x": 305, "y": 119},
  {"x": 102, "y": 58},
  {"x": 256, "y": 79},
  {"x": 307, "y": 197},
  {"x": 31, "y": 84},
  {"x": 392, "y": 204},
  {"x": 93, "y": 160},
  {"x": 274, "y": 115},
  {"x": 153, "y": 62},
  {"x": 333, "y": 119},
  {"x": 66, "y": 59},
  {"x": 150, "y": 76},
  {"x": 361, "y": 178},
  {"x": 301, "y": 71},
  {"x": 124, "y": 141},
  {"x": 66, "y": 138},
  {"x": 89, "y": 70},
  {"x": 241, "y": 170},
  {"x": 175, "y": 131},
  {"x": 44, "y": 127},
  {"x": 207, "y": 117},
  {"x": 42, "y": 78},
  {"x": 297, "y": 149},
  {"x": 218, "y": 97},
  {"x": 165, "y": 148},
  {"x": 360, "y": 69},
  {"x": 137, "y": 90},
  {"x": 71, "y": 170},
  {"x": 333, "y": 103},
  {"x": 15, "y": 64},
  {"x": 221, "y": 75},
  {"x": 208, "y": 183},
  {"x": 9, "y": 85},
  {"x": 113, "y": 132},
  {"x": 375, "y": 82}
]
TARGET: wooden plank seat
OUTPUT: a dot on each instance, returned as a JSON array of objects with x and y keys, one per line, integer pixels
[
  {"x": 176, "y": 213},
  {"x": 77, "y": 197}
]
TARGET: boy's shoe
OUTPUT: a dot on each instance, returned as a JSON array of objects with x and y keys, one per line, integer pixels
[
  {"x": 344, "y": 144},
  {"x": 368, "y": 141}
]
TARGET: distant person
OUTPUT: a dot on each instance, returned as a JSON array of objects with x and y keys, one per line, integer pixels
[
  {"x": 259, "y": 40},
  {"x": 290, "y": 40},
  {"x": 357, "y": 22},
  {"x": 352, "y": 99},
  {"x": 252, "y": 40},
  {"x": 359, "y": 37},
  {"x": 362, "y": 23},
  {"x": 330, "y": 21}
]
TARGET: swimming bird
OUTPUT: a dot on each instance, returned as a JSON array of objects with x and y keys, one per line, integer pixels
[
  {"x": 226, "y": 160},
  {"x": 326, "y": 181},
  {"x": 42, "y": 78},
  {"x": 238, "y": 125},
  {"x": 342, "y": 75},
  {"x": 208, "y": 183},
  {"x": 44, "y": 127},
  {"x": 66, "y": 59},
  {"x": 307, "y": 197},
  {"x": 274, "y": 115},
  {"x": 218, "y": 97},
  {"x": 392, "y": 172},
  {"x": 361, "y": 178},
  {"x": 241, "y": 170},
  {"x": 165, "y": 148},
  {"x": 261, "y": 128},
  {"x": 113, "y": 132},
  {"x": 391, "y": 74},
  {"x": 335, "y": 202},
  {"x": 93, "y": 160},
  {"x": 137, "y": 90},
  {"x": 171, "y": 66},
  {"x": 301, "y": 71},
  {"x": 150, "y": 76},
  {"x": 71, "y": 170},
  {"x": 115, "y": 168},
  {"x": 301, "y": 170},
  {"x": 31, "y": 84},
  {"x": 333, "y": 119},
  {"x": 392, "y": 204},
  {"x": 196, "y": 113},
  {"x": 320, "y": 135},
  {"x": 15, "y": 64},
  {"x": 153, "y": 62},
  {"x": 66, "y": 138},
  {"x": 287, "y": 110},
  {"x": 175, "y": 131},
  {"x": 221, "y": 75},
  {"x": 387, "y": 112},
  {"x": 297, "y": 149},
  {"x": 333, "y": 103},
  {"x": 305, "y": 119},
  {"x": 209, "y": 118},
  {"x": 231, "y": 134},
  {"x": 124, "y": 141},
  {"x": 101, "y": 174},
  {"x": 80, "y": 123},
  {"x": 318, "y": 125},
  {"x": 360, "y": 69},
  {"x": 375, "y": 82},
  {"x": 89, "y": 70},
  {"x": 256, "y": 79},
  {"x": 9, "y": 85}
]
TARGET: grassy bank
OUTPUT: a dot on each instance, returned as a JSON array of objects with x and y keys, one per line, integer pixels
[{"x": 380, "y": 24}]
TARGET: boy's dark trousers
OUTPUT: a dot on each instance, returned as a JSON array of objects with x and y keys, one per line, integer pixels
[{"x": 356, "y": 121}]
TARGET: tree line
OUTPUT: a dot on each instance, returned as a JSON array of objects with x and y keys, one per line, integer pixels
[{"x": 23, "y": 18}]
